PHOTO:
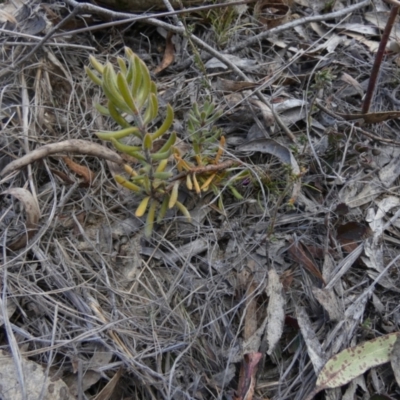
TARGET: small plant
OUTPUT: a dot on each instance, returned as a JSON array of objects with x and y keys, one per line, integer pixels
[
  {"x": 323, "y": 79},
  {"x": 131, "y": 94},
  {"x": 222, "y": 21}
]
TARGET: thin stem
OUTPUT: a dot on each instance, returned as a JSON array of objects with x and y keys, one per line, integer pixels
[{"x": 378, "y": 60}]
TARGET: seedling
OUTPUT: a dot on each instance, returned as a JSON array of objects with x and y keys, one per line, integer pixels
[{"x": 131, "y": 94}]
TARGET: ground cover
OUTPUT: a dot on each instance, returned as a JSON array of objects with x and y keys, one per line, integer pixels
[{"x": 273, "y": 275}]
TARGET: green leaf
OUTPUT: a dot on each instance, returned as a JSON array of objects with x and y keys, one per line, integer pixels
[
  {"x": 137, "y": 77},
  {"x": 163, "y": 175},
  {"x": 152, "y": 109},
  {"x": 169, "y": 119},
  {"x": 142, "y": 207},
  {"x": 125, "y": 183},
  {"x": 169, "y": 143},
  {"x": 130, "y": 76},
  {"x": 160, "y": 156},
  {"x": 150, "y": 218},
  {"x": 123, "y": 87},
  {"x": 138, "y": 156},
  {"x": 111, "y": 90},
  {"x": 147, "y": 142},
  {"x": 102, "y": 110},
  {"x": 183, "y": 210},
  {"x": 109, "y": 135},
  {"x": 174, "y": 195},
  {"x": 145, "y": 87},
  {"x": 153, "y": 88},
  {"x": 235, "y": 193},
  {"x": 122, "y": 65},
  {"x": 124, "y": 148},
  {"x": 163, "y": 209},
  {"x": 352, "y": 362},
  {"x": 96, "y": 65},
  {"x": 93, "y": 76},
  {"x": 116, "y": 116}
]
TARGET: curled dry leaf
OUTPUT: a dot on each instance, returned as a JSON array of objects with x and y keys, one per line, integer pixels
[
  {"x": 271, "y": 13},
  {"x": 169, "y": 54},
  {"x": 75, "y": 146},
  {"x": 247, "y": 376},
  {"x": 32, "y": 216},
  {"x": 300, "y": 254},
  {"x": 373, "y": 117},
  {"x": 81, "y": 170}
]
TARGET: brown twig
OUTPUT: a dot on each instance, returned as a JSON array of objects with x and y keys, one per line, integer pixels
[
  {"x": 378, "y": 59},
  {"x": 127, "y": 18},
  {"x": 358, "y": 129},
  {"x": 75, "y": 146}
]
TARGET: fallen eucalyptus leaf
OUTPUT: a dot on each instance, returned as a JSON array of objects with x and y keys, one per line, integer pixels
[{"x": 354, "y": 361}]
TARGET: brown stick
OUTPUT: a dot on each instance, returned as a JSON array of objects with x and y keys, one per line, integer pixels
[
  {"x": 378, "y": 60},
  {"x": 75, "y": 146}
]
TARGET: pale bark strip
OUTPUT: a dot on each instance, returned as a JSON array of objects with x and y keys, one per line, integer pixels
[{"x": 74, "y": 146}]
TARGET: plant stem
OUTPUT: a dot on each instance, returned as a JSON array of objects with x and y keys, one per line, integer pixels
[{"x": 378, "y": 59}]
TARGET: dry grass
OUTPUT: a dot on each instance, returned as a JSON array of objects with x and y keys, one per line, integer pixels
[{"x": 168, "y": 317}]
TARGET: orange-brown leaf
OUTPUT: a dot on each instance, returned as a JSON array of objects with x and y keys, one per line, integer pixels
[
  {"x": 169, "y": 55},
  {"x": 81, "y": 170},
  {"x": 247, "y": 376},
  {"x": 299, "y": 254}
]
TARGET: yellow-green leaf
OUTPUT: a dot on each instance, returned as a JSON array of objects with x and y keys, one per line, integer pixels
[
  {"x": 235, "y": 193},
  {"x": 124, "y": 148},
  {"x": 169, "y": 119},
  {"x": 169, "y": 143},
  {"x": 153, "y": 88},
  {"x": 142, "y": 207},
  {"x": 123, "y": 87},
  {"x": 174, "y": 195},
  {"x": 146, "y": 183},
  {"x": 144, "y": 91},
  {"x": 163, "y": 176},
  {"x": 96, "y": 64},
  {"x": 93, "y": 76},
  {"x": 102, "y": 110},
  {"x": 108, "y": 135},
  {"x": 183, "y": 210},
  {"x": 122, "y": 65},
  {"x": 196, "y": 184},
  {"x": 189, "y": 183},
  {"x": 137, "y": 76},
  {"x": 147, "y": 142},
  {"x": 152, "y": 109},
  {"x": 160, "y": 156},
  {"x": 150, "y": 218},
  {"x": 125, "y": 183},
  {"x": 130, "y": 76},
  {"x": 163, "y": 209},
  {"x": 111, "y": 90},
  {"x": 162, "y": 165},
  {"x": 116, "y": 116}
]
